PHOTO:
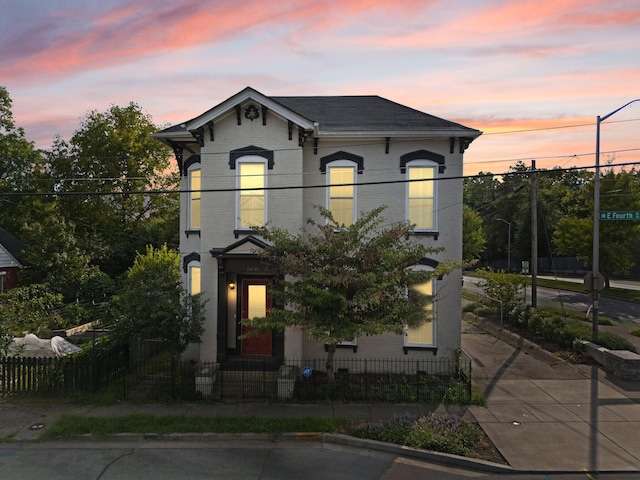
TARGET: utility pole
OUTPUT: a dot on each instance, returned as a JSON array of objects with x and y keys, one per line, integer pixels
[{"x": 534, "y": 237}]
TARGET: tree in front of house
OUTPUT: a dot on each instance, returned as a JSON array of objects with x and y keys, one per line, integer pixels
[
  {"x": 343, "y": 282},
  {"x": 153, "y": 304}
]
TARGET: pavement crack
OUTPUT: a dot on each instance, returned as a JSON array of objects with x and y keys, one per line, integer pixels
[{"x": 111, "y": 463}]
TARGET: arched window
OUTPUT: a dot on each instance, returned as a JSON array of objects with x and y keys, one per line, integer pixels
[
  {"x": 194, "y": 283},
  {"x": 194, "y": 205},
  {"x": 341, "y": 191},
  {"x": 424, "y": 335},
  {"x": 422, "y": 196},
  {"x": 251, "y": 200}
]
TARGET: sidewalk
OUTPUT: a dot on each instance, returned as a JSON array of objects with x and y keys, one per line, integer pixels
[{"x": 544, "y": 414}]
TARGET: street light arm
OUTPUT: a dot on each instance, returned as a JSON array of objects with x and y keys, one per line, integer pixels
[{"x": 602, "y": 119}]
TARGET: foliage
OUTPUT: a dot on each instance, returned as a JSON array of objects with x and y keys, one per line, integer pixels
[
  {"x": 21, "y": 170},
  {"x": 505, "y": 288},
  {"x": 153, "y": 304},
  {"x": 52, "y": 254},
  {"x": 444, "y": 433},
  {"x": 106, "y": 167},
  {"x": 436, "y": 432},
  {"x": 384, "y": 388},
  {"x": 343, "y": 282},
  {"x": 473, "y": 237},
  {"x": 30, "y": 309},
  {"x": 396, "y": 430},
  {"x": 635, "y": 332}
]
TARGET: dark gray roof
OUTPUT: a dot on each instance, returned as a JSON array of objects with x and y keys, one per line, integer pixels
[
  {"x": 365, "y": 113},
  {"x": 11, "y": 243},
  {"x": 359, "y": 114}
]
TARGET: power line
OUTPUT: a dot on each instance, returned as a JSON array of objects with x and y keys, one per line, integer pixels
[{"x": 301, "y": 187}]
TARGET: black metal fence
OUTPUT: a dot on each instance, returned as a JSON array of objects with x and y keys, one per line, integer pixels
[{"x": 118, "y": 376}]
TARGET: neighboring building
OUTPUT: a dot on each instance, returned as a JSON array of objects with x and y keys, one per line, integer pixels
[
  {"x": 251, "y": 141},
  {"x": 10, "y": 248}
]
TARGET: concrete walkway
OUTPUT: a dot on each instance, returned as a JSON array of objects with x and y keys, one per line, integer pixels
[{"x": 546, "y": 415}]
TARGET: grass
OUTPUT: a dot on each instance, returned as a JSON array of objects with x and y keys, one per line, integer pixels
[
  {"x": 68, "y": 425},
  {"x": 441, "y": 433},
  {"x": 635, "y": 332}
]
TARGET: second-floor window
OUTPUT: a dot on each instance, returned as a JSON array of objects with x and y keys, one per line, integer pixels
[
  {"x": 195, "y": 197},
  {"x": 341, "y": 195},
  {"x": 251, "y": 199},
  {"x": 421, "y": 195}
]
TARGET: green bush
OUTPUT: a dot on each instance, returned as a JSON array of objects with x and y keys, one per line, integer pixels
[
  {"x": 444, "y": 433},
  {"x": 614, "y": 342},
  {"x": 395, "y": 430},
  {"x": 437, "y": 432}
]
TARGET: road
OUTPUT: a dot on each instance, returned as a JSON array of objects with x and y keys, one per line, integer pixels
[{"x": 237, "y": 460}]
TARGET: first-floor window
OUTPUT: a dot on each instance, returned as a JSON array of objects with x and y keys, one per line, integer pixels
[
  {"x": 194, "y": 278},
  {"x": 423, "y": 335}
]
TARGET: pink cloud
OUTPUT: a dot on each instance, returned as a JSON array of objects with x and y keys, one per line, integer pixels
[{"x": 78, "y": 40}]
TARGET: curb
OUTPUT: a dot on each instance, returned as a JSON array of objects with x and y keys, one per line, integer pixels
[
  {"x": 425, "y": 455},
  {"x": 325, "y": 439}
]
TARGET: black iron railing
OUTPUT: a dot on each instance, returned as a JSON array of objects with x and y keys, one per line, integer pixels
[{"x": 162, "y": 377}]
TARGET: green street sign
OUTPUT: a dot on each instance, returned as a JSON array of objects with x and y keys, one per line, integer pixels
[{"x": 619, "y": 215}]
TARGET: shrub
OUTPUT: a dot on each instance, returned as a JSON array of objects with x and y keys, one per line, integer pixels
[
  {"x": 441, "y": 433},
  {"x": 395, "y": 430},
  {"x": 506, "y": 288},
  {"x": 614, "y": 342},
  {"x": 444, "y": 433}
]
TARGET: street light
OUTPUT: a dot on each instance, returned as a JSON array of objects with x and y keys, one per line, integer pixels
[
  {"x": 595, "y": 280},
  {"x": 508, "y": 244}
]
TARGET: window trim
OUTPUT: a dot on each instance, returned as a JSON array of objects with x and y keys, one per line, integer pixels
[
  {"x": 343, "y": 164},
  {"x": 250, "y": 159},
  {"x": 421, "y": 163}
]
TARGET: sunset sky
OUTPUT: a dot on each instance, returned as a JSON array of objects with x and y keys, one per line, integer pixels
[{"x": 541, "y": 68}]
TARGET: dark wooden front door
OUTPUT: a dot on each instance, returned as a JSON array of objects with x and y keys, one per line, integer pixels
[{"x": 255, "y": 302}]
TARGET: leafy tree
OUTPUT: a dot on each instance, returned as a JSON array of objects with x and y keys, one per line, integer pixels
[
  {"x": 343, "y": 282},
  {"x": 30, "y": 309},
  {"x": 106, "y": 166},
  {"x": 21, "y": 170},
  {"x": 154, "y": 305},
  {"x": 473, "y": 237},
  {"x": 618, "y": 239},
  {"x": 52, "y": 254}
]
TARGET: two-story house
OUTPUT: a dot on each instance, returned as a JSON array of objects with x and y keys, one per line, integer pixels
[{"x": 254, "y": 159}]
